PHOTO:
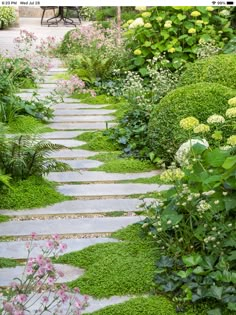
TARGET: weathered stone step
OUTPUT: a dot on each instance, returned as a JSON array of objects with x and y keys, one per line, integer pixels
[
  {"x": 82, "y": 207},
  {"x": 17, "y": 250},
  {"x": 61, "y": 134},
  {"x": 109, "y": 189},
  {"x": 67, "y": 226},
  {"x": 76, "y": 112},
  {"x": 70, "y": 143},
  {"x": 75, "y": 119},
  {"x": 77, "y": 105},
  {"x": 71, "y": 273},
  {"x": 57, "y": 70},
  {"x": 47, "y": 85},
  {"x": 85, "y": 176},
  {"x": 81, "y": 126},
  {"x": 79, "y": 164},
  {"x": 70, "y": 154}
]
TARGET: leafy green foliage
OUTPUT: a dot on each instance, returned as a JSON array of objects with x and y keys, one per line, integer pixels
[
  {"x": 115, "y": 268},
  {"x": 137, "y": 306},
  {"x": 4, "y": 218},
  {"x": 230, "y": 47},
  {"x": 27, "y": 124},
  {"x": 34, "y": 192},
  {"x": 175, "y": 31},
  {"x": 7, "y": 16},
  {"x": 97, "y": 141},
  {"x": 115, "y": 163},
  {"x": 194, "y": 225},
  {"x": 200, "y": 100},
  {"x": 216, "y": 69},
  {"x": 25, "y": 155}
]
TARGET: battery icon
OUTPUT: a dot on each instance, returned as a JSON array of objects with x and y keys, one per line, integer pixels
[{"x": 229, "y": 2}]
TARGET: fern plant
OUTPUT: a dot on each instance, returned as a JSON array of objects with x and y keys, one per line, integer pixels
[{"x": 27, "y": 155}]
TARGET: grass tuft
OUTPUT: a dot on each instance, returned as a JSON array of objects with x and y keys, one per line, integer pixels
[
  {"x": 96, "y": 141},
  {"x": 28, "y": 124}
]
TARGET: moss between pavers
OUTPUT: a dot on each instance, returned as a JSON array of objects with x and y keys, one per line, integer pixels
[
  {"x": 113, "y": 163},
  {"x": 34, "y": 192},
  {"x": 96, "y": 141},
  {"x": 4, "y": 218},
  {"x": 116, "y": 268},
  {"x": 152, "y": 305},
  {"x": 7, "y": 262}
]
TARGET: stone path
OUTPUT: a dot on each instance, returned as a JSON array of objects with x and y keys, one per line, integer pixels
[{"x": 89, "y": 217}]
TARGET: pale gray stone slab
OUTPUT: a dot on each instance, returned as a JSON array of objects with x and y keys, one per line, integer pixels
[
  {"x": 47, "y": 85},
  {"x": 77, "y": 112},
  {"x": 67, "y": 226},
  {"x": 93, "y": 304},
  {"x": 61, "y": 134},
  {"x": 78, "y": 105},
  {"x": 62, "y": 70},
  {"x": 71, "y": 273},
  {"x": 70, "y": 143},
  {"x": 79, "y": 164},
  {"x": 70, "y": 154},
  {"x": 74, "y": 119},
  {"x": 85, "y": 176},
  {"x": 83, "y": 207},
  {"x": 109, "y": 189},
  {"x": 81, "y": 126},
  {"x": 17, "y": 249}
]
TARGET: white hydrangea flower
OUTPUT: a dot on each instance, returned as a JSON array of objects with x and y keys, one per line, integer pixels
[
  {"x": 215, "y": 119},
  {"x": 136, "y": 23},
  {"x": 182, "y": 154}
]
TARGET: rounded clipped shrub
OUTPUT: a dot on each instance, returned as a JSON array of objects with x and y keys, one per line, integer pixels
[
  {"x": 216, "y": 69},
  {"x": 199, "y": 100}
]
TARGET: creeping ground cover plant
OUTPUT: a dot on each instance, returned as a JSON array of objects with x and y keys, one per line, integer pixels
[
  {"x": 36, "y": 292},
  {"x": 194, "y": 224}
]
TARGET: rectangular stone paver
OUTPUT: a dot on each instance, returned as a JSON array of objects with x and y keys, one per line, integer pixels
[
  {"x": 71, "y": 273},
  {"x": 67, "y": 142},
  {"x": 61, "y": 134},
  {"x": 70, "y": 154},
  {"x": 85, "y": 176},
  {"x": 66, "y": 226},
  {"x": 17, "y": 249},
  {"x": 79, "y": 164},
  {"x": 83, "y": 207},
  {"x": 77, "y": 105},
  {"x": 81, "y": 126},
  {"x": 81, "y": 118},
  {"x": 109, "y": 189},
  {"x": 82, "y": 112}
]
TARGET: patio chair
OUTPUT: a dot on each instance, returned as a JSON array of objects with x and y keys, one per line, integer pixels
[
  {"x": 48, "y": 21},
  {"x": 75, "y": 10}
]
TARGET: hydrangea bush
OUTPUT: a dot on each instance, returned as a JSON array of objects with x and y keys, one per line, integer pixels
[
  {"x": 7, "y": 16},
  {"x": 194, "y": 224},
  {"x": 176, "y": 31}
]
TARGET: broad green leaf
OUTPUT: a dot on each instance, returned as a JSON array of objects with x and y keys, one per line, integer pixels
[
  {"x": 165, "y": 261},
  {"x": 230, "y": 202},
  {"x": 139, "y": 61},
  {"x": 147, "y": 44},
  {"x": 184, "y": 274},
  {"x": 232, "y": 306},
  {"x": 181, "y": 17},
  {"x": 216, "y": 157},
  {"x": 198, "y": 148},
  {"x": 216, "y": 311},
  {"x": 215, "y": 292},
  {"x": 143, "y": 71},
  {"x": 229, "y": 162},
  {"x": 192, "y": 260}
]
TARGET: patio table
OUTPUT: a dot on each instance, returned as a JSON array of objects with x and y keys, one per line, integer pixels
[{"x": 61, "y": 17}]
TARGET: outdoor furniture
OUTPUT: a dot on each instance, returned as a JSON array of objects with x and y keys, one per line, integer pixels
[
  {"x": 62, "y": 15},
  {"x": 76, "y": 10},
  {"x": 48, "y": 20}
]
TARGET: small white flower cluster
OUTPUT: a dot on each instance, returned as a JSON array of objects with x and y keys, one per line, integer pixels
[
  {"x": 133, "y": 88},
  {"x": 208, "y": 193},
  {"x": 203, "y": 206},
  {"x": 207, "y": 49},
  {"x": 215, "y": 119}
]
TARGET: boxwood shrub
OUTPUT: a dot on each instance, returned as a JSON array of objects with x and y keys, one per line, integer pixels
[
  {"x": 216, "y": 69},
  {"x": 199, "y": 100}
]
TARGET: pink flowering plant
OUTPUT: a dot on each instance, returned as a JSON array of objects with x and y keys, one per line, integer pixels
[
  {"x": 38, "y": 285},
  {"x": 68, "y": 87}
]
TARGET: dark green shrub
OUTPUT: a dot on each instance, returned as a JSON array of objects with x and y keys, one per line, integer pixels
[
  {"x": 200, "y": 100},
  {"x": 216, "y": 69}
]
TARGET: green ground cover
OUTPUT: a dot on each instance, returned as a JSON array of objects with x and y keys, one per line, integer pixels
[
  {"x": 34, "y": 192},
  {"x": 6, "y": 262}
]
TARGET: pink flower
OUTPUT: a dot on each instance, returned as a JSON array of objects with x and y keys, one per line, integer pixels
[
  {"x": 33, "y": 235},
  {"x": 45, "y": 299},
  {"x": 21, "y": 298}
]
